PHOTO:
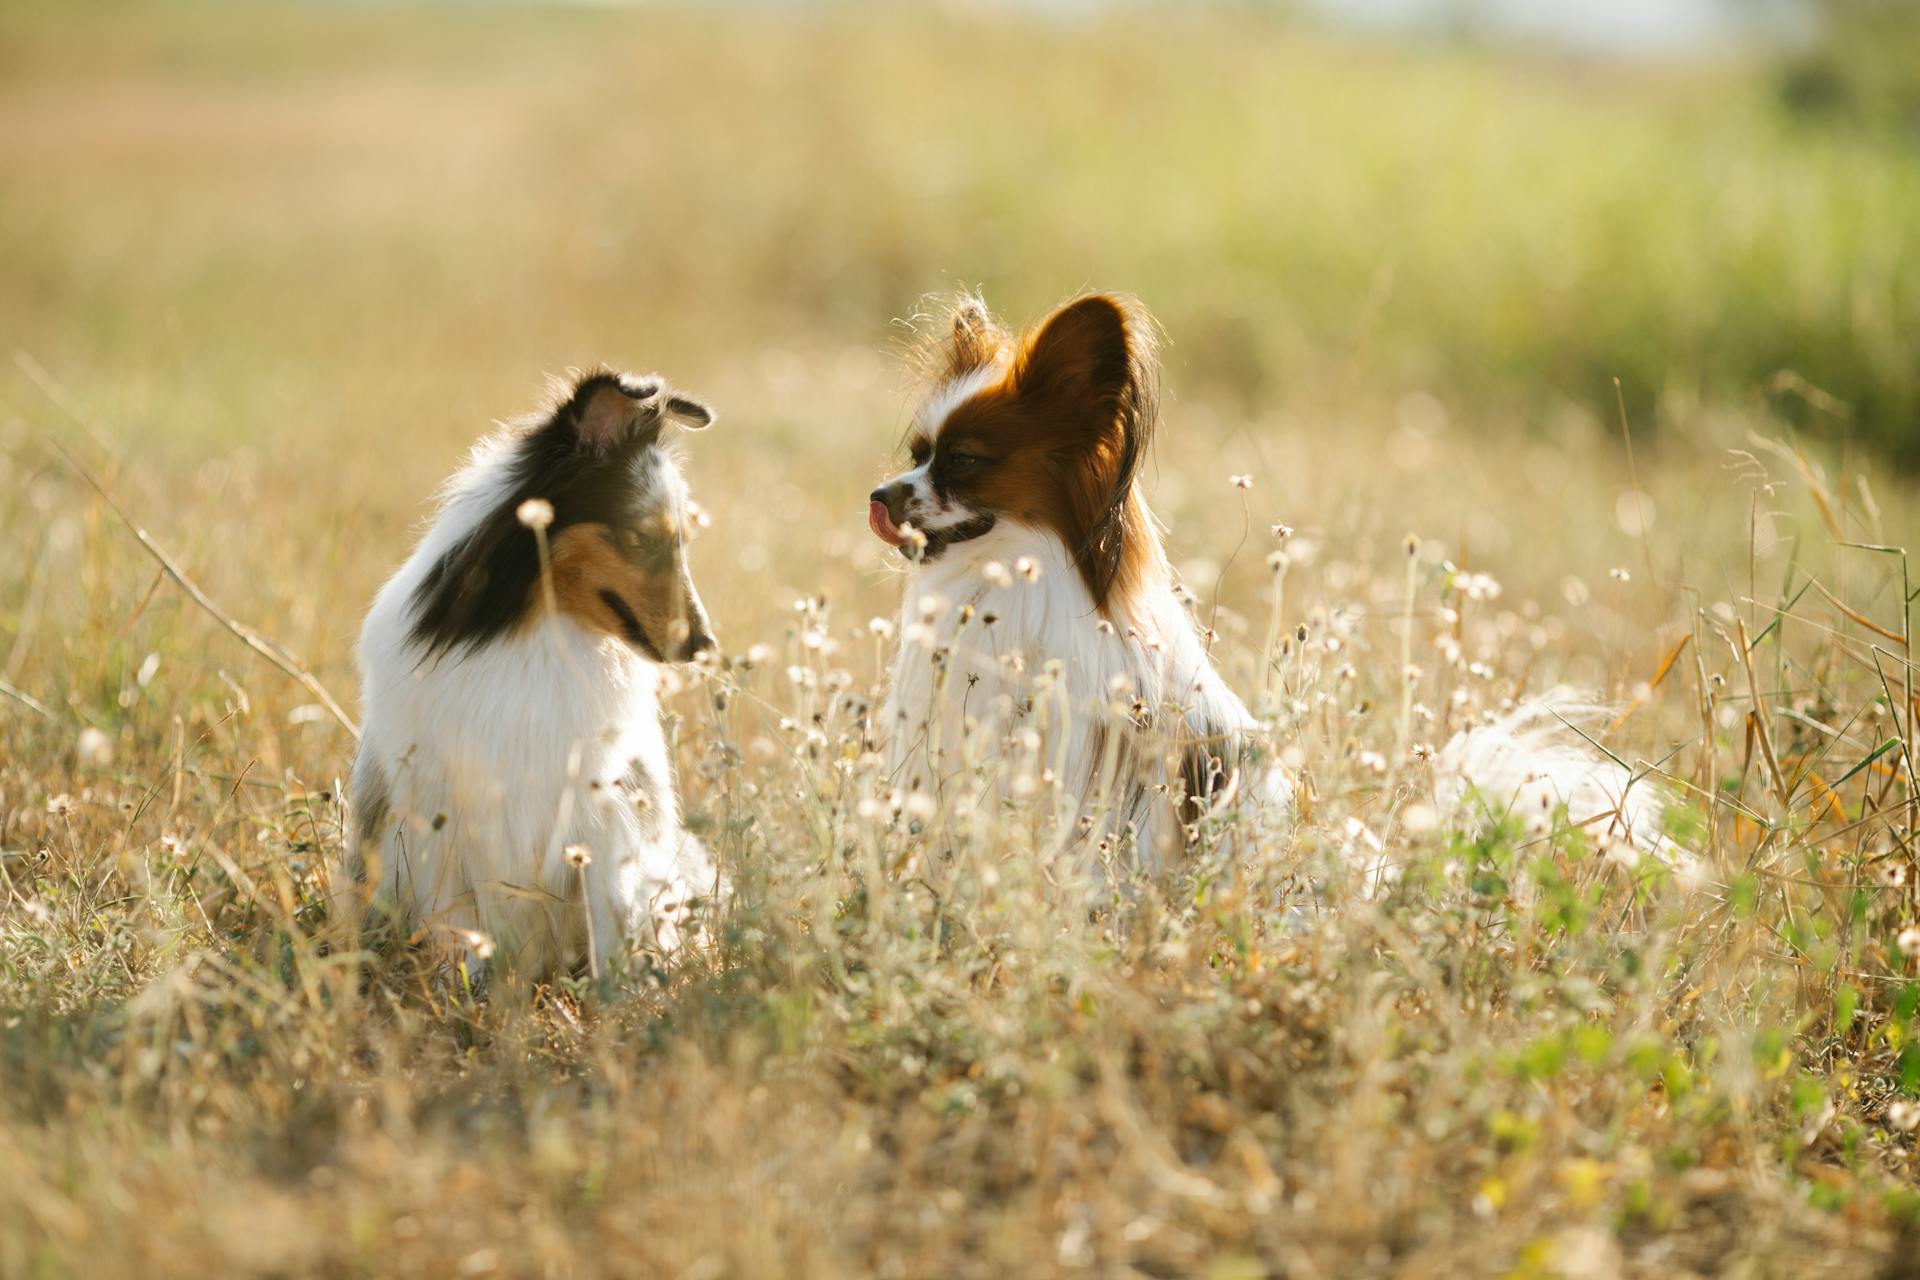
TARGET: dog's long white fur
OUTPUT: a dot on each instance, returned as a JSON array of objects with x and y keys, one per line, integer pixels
[
  {"x": 942, "y": 714},
  {"x": 957, "y": 691},
  {"x": 495, "y": 759}
]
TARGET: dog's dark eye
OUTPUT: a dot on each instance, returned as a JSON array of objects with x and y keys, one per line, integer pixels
[{"x": 959, "y": 460}]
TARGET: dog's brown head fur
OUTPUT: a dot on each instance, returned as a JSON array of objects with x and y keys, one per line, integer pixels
[
  {"x": 616, "y": 521},
  {"x": 1049, "y": 428}
]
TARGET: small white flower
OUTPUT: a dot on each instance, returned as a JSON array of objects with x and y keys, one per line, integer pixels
[
  {"x": 996, "y": 574},
  {"x": 94, "y": 746},
  {"x": 920, "y": 805},
  {"x": 759, "y": 654},
  {"x": 535, "y": 513},
  {"x": 480, "y": 944},
  {"x": 920, "y": 635},
  {"x": 881, "y": 627},
  {"x": 931, "y": 605},
  {"x": 1909, "y": 942},
  {"x": 1027, "y": 568},
  {"x": 578, "y": 855},
  {"x": 1620, "y": 851},
  {"x": 1478, "y": 586},
  {"x": 1619, "y": 575},
  {"x": 1240, "y": 482},
  {"x": 1904, "y": 1116}
]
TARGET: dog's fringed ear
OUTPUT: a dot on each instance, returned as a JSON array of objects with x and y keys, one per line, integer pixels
[
  {"x": 611, "y": 410},
  {"x": 1092, "y": 362},
  {"x": 1091, "y": 372},
  {"x": 684, "y": 411},
  {"x": 973, "y": 339}
]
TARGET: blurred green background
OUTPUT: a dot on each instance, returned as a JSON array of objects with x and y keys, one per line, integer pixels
[{"x": 250, "y": 199}]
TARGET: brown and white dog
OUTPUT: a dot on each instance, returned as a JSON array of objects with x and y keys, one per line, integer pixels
[
  {"x": 1044, "y": 645},
  {"x": 513, "y": 793},
  {"x": 1042, "y": 617}
]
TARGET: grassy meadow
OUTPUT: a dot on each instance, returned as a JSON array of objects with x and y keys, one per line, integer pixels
[{"x": 268, "y": 270}]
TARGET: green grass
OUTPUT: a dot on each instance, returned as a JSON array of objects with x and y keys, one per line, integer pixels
[{"x": 284, "y": 264}]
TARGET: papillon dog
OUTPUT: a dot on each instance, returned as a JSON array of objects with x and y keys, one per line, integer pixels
[
  {"x": 513, "y": 792},
  {"x": 1043, "y": 634},
  {"x": 1042, "y": 616}
]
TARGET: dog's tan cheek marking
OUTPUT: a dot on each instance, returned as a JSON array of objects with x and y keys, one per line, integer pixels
[{"x": 585, "y": 563}]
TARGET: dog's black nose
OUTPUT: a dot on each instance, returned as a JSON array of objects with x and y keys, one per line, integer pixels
[{"x": 892, "y": 495}]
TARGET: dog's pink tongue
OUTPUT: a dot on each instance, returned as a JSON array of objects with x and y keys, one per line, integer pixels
[{"x": 881, "y": 522}]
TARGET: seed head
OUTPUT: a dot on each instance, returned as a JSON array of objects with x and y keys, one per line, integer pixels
[
  {"x": 578, "y": 855},
  {"x": 535, "y": 513}
]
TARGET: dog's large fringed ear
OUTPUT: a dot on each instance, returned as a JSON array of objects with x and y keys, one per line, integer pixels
[
  {"x": 1090, "y": 372},
  {"x": 610, "y": 410}
]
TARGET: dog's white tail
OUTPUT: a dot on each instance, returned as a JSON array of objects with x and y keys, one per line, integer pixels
[{"x": 1533, "y": 760}]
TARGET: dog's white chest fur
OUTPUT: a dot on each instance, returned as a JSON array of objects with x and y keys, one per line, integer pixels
[
  {"x": 1006, "y": 672},
  {"x": 494, "y": 761}
]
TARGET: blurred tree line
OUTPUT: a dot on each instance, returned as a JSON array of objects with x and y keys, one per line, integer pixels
[{"x": 1863, "y": 70}]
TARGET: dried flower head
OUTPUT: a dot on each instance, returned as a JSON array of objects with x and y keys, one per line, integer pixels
[{"x": 535, "y": 513}]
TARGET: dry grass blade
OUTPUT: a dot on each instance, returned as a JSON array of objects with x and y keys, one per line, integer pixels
[
  {"x": 1639, "y": 700},
  {"x": 1757, "y": 721},
  {"x": 266, "y": 648},
  {"x": 1855, "y": 615},
  {"x": 25, "y": 699}
]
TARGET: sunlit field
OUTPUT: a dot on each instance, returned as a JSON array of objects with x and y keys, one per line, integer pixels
[{"x": 266, "y": 273}]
